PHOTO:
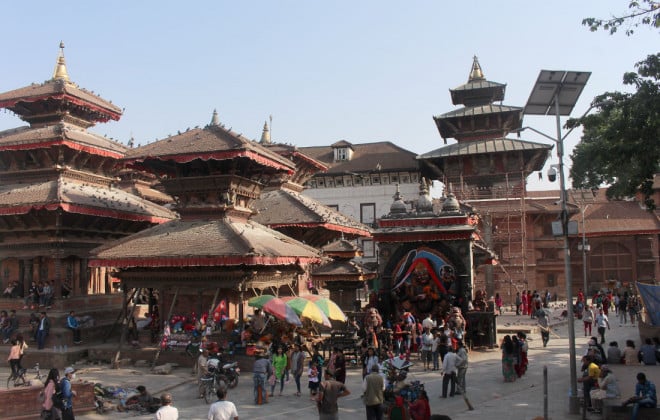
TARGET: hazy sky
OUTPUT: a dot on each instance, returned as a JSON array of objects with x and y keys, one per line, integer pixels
[{"x": 363, "y": 71}]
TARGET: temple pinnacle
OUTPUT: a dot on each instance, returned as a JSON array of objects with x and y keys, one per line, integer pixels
[
  {"x": 265, "y": 134},
  {"x": 60, "y": 72},
  {"x": 214, "y": 118},
  {"x": 476, "y": 73}
]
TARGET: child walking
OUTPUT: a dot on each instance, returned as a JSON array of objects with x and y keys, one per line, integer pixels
[{"x": 313, "y": 375}]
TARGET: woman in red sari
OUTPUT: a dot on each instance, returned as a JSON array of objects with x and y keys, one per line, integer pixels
[
  {"x": 525, "y": 303},
  {"x": 420, "y": 408},
  {"x": 524, "y": 362}
]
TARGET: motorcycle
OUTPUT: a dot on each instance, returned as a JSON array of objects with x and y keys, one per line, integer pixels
[
  {"x": 229, "y": 373},
  {"x": 219, "y": 376}
]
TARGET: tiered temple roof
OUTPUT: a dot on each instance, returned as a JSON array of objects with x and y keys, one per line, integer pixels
[
  {"x": 58, "y": 192},
  {"x": 483, "y": 158},
  {"x": 215, "y": 176}
]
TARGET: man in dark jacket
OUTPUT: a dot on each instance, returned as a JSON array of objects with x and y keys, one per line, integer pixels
[{"x": 42, "y": 330}]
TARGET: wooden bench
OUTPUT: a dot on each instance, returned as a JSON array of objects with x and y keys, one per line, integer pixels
[
  {"x": 613, "y": 410},
  {"x": 626, "y": 376}
]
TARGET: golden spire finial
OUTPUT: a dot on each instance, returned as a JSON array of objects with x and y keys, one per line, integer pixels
[
  {"x": 60, "y": 67},
  {"x": 476, "y": 73},
  {"x": 214, "y": 118},
  {"x": 265, "y": 135}
]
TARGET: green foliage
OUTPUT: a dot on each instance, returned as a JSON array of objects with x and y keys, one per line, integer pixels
[
  {"x": 644, "y": 12},
  {"x": 620, "y": 145}
]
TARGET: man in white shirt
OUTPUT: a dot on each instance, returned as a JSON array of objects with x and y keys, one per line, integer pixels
[
  {"x": 427, "y": 348},
  {"x": 436, "y": 351},
  {"x": 166, "y": 411},
  {"x": 601, "y": 322},
  {"x": 221, "y": 409},
  {"x": 428, "y": 323},
  {"x": 449, "y": 372}
]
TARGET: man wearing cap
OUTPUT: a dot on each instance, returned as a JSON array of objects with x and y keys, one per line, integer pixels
[
  {"x": 67, "y": 393},
  {"x": 261, "y": 371},
  {"x": 166, "y": 411}
]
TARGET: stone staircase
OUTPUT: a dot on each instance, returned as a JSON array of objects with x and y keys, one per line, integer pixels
[{"x": 104, "y": 309}]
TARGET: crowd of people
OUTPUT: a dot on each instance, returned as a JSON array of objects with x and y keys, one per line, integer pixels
[
  {"x": 598, "y": 380},
  {"x": 528, "y": 303},
  {"x": 514, "y": 356},
  {"x": 39, "y": 294},
  {"x": 626, "y": 306}
]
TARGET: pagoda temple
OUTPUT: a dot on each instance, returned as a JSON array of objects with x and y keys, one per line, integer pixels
[
  {"x": 283, "y": 207},
  {"x": 489, "y": 171},
  {"x": 483, "y": 163},
  {"x": 215, "y": 175},
  {"x": 58, "y": 192},
  {"x": 343, "y": 276}
]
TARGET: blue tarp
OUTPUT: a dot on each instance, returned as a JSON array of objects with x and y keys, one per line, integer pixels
[{"x": 651, "y": 297}]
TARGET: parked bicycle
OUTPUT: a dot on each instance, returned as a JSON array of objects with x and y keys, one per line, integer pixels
[{"x": 19, "y": 379}]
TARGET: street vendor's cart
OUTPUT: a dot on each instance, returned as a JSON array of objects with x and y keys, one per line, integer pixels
[{"x": 398, "y": 393}]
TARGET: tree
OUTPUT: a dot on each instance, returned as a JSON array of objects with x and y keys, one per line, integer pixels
[
  {"x": 643, "y": 12},
  {"x": 620, "y": 145}
]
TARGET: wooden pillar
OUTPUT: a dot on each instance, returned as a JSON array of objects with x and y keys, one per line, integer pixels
[
  {"x": 83, "y": 279},
  {"x": 57, "y": 280},
  {"x": 200, "y": 303},
  {"x": 28, "y": 269},
  {"x": 169, "y": 315}
]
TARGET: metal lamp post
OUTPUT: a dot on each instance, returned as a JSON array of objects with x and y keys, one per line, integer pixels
[
  {"x": 557, "y": 92},
  {"x": 584, "y": 253}
]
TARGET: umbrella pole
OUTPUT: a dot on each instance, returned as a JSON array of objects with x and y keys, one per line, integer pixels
[
  {"x": 169, "y": 315},
  {"x": 124, "y": 328},
  {"x": 215, "y": 298}
]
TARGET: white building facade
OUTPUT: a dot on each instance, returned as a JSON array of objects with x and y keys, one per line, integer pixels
[{"x": 362, "y": 180}]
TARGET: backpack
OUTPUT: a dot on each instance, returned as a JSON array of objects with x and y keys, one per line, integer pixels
[{"x": 58, "y": 398}]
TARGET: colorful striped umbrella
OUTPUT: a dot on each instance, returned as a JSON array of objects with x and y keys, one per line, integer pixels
[
  {"x": 276, "y": 307},
  {"x": 329, "y": 308},
  {"x": 280, "y": 310},
  {"x": 307, "y": 309},
  {"x": 260, "y": 301}
]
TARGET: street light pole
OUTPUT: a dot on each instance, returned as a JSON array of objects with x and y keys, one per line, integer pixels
[
  {"x": 584, "y": 252},
  {"x": 557, "y": 91},
  {"x": 573, "y": 401}
]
